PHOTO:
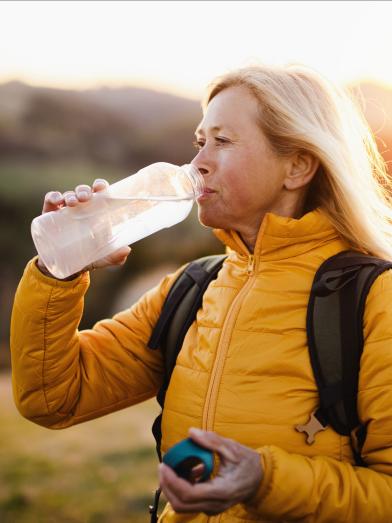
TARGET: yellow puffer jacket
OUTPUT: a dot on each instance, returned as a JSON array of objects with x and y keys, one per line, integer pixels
[{"x": 244, "y": 372}]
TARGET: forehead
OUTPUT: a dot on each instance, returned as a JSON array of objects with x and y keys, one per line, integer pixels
[{"x": 234, "y": 108}]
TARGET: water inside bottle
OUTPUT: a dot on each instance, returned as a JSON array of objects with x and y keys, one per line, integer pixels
[
  {"x": 134, "y": 218},
  {"x": 73, "y": 238}
]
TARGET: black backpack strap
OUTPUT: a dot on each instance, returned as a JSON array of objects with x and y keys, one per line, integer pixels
[
  {"x": 335, "y": 335},
  {"x": 178, "y": 313}
]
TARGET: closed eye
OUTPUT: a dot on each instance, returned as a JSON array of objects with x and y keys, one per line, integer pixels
[
  {"x": 198, "y": 144},
  {"x": 219, "y": 140}
]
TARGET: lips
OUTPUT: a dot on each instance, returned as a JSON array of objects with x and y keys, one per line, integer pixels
[{"x": 206, "y": 193}]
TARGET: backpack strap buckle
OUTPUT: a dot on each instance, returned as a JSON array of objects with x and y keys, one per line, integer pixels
[
  {"x": 311, "y": 428},
  {"x": 153, "y": 509}
]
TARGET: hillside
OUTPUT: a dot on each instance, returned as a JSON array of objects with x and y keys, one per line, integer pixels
[
  {"x": 141, "y": 105},
  {"x": 124, "y": 127}
]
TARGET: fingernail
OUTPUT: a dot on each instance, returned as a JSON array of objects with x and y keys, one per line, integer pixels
[
  {"x": 83, "y": 194},
  {"x": 71, "y": 199},
  {"x": 102, "y": 183}
]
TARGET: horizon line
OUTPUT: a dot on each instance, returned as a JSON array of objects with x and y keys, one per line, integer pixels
[{"x": 158, "y": 88}]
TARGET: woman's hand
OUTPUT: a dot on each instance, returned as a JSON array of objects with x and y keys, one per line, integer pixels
[
  {"x": 237, "y": 480},
  {"x": 54, "y": 201}
]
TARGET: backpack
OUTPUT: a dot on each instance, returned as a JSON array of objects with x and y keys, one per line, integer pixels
[{"x": 334, "y": 327}]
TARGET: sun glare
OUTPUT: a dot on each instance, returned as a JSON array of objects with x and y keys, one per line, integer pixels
[{"x": 180, "y": 46}]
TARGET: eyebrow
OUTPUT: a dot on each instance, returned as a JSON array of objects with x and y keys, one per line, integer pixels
[{"x": 216, "y": 128}]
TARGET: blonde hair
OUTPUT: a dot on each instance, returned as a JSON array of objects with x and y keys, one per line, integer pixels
[{"x": 301, "y": 110}]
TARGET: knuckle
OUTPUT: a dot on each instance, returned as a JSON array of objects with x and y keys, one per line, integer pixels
[
  {"x": 49, "y": 196},
  {"x": 70, "y": 197},
  {"x": 83, "y": 188},
  {"x": 56, "y": 197},
  {"x": 186, "y": 497},
  {"x": 100, "y": 181},
  {"x": 100, "y": 185},
  {"x": 177, "y": 505}
]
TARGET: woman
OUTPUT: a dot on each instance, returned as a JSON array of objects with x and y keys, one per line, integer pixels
[{"x": 293, "y": 177}]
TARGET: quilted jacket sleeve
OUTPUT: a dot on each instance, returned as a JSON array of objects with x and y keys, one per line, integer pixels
[
  {"x": 325, "y": 490},
  {"x": 63, "y": 376}
]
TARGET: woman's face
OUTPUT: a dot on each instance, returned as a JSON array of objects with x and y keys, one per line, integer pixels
[{"x": 244, "y": 176}]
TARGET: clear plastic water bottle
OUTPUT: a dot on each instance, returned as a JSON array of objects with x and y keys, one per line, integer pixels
[{"x": 156, "y": 197}]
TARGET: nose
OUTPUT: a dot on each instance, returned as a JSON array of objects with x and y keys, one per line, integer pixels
[{"x": 201, "y": 162}]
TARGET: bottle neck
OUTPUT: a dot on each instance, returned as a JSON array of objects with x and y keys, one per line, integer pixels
[{"x": 196, "y": 179}]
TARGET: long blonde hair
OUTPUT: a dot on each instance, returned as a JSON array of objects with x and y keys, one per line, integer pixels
[{"x": 301, "y": 110}]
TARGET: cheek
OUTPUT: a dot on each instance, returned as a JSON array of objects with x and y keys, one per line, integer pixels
[
  {"x": 243, "y": 186},
  {"x": 238, "y": 195}
]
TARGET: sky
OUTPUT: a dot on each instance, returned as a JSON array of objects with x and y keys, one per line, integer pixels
[{"x": 180, "y": 46}]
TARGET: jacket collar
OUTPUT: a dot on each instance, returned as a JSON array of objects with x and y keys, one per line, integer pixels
[{"x": 280, "y": 237}]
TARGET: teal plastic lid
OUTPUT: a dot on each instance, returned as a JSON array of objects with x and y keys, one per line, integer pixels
[{"x": 185, "y": 455}]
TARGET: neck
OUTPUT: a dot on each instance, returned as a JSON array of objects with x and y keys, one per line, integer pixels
[
  {"x": 249, "y": 239},
  {"x": 288, "y": 209}
]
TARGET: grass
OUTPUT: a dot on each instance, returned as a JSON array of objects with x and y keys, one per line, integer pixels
[{"x": 103, "y": 471}]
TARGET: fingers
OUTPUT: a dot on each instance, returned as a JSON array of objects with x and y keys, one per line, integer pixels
[
  {"x": 100, "y": 185},
  {"x": 225, "y": 447},
  {"x": 196, "y": 473},
  {"x": 185, "y": 497},
  {"x": 238, "y": 478},
  {"x": 118, "y": 257},
  {"x": 191, "y": 493},
  {"x": 70, "y": 198},
  {"x": 82, "y": 194},
  {"x": 54, "y": 200}
]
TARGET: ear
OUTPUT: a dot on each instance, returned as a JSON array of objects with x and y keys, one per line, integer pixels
[{"x": 303, "y": 166}]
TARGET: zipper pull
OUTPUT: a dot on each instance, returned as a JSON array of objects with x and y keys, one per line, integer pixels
[{"x": 251, "y": 264}]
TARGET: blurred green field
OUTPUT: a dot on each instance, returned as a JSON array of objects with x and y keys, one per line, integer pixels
[{"x": 98, "y": 472}]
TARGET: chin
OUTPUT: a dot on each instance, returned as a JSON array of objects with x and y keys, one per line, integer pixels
[{"x": 208, "y": 219}]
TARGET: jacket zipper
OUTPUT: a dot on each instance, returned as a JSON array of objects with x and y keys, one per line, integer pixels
[
  {"x": 217, "y": 370},
  {"x": 251, "y": 265}
]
